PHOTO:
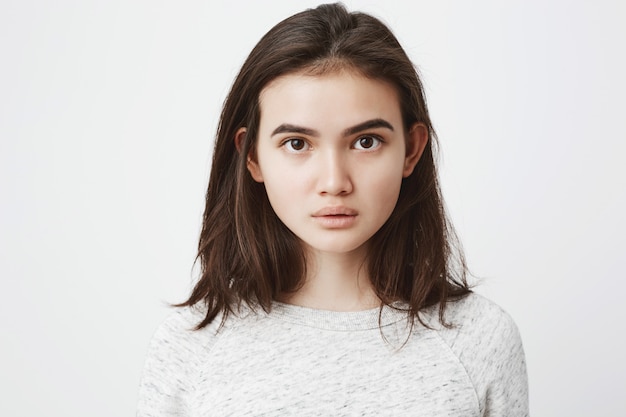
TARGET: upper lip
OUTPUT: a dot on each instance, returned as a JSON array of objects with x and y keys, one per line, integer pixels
[{"x": 335, "y": 211}]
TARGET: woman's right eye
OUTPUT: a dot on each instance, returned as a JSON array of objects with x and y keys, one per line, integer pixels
[{"x": 296, "y": 145}]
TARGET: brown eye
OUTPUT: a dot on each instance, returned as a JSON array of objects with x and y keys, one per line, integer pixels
[
  {"x": 295, "y": 145},
  {"x": 367, "y": 142}
]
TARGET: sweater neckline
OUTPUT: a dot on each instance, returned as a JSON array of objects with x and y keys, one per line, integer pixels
[{"x": 374, "y": 318}]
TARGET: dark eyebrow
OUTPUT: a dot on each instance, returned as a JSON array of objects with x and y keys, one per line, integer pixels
[
  {"x": 370, "y": 124},
  {"x": 287, "y": 128}
]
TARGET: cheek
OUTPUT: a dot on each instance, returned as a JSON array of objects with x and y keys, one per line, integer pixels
[
  {"x": 284, "y": 189},
  {"x": 388, "y": 190},
  {"x": 382, "y": 192}
]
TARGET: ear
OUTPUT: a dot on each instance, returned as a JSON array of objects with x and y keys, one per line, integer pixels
[
  {"x": 251, "y": 163},
  {"x": 416, "y": 141}
]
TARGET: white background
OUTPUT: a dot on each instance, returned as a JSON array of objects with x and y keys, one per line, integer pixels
[{"x": 108, "y": 110}]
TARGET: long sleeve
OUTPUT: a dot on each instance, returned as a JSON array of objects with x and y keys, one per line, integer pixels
[
  {"x": 488, "y": 344},
  {"x": 171, "y": 365},
  {"x": 505, "y": 373}
]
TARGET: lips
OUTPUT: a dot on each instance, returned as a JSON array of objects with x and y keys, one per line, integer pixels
[
  {"x": 335, "y": 211},
  {"x": 338, "y": 217}
]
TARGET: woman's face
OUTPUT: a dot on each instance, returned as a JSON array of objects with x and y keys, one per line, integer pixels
[{"x": 332, "y": 152}]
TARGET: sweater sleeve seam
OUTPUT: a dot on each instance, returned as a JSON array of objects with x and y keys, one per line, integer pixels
[{"x": 443, "y": 342}]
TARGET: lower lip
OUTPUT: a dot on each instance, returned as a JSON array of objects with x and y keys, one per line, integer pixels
[{"x": 335, "y": 222}]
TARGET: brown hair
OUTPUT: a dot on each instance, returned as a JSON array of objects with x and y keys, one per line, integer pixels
[{"x": 247, "y": 254}]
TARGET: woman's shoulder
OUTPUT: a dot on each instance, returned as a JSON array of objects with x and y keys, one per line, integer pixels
[
  {"x": 486, "y": 341},
  {"x": 178, "y": 337},
  {"x": 181, "y": 325},
  {"x": 171, "y": 362},
  {"x": 471, "y": 316}
]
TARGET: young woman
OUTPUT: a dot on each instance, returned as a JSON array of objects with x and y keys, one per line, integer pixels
[{"x": 331, "y": 280}]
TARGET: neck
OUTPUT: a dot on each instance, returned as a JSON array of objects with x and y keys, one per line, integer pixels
[{"x": 338, "y": 282}]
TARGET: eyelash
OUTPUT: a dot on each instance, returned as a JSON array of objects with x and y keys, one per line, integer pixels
[{"x": 289, "y": 143}]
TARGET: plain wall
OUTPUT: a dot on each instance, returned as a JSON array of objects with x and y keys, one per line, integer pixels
[{"x": 108, "y": 110}]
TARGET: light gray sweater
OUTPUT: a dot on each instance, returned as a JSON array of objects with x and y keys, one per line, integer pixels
[{"x": 304, "y": 362}]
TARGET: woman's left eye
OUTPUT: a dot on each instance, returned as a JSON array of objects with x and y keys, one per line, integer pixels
[
  {"x": 367, "y": 142},
  {"x": 295, "y": 145}
]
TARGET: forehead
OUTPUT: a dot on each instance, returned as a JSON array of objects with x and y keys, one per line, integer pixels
[{"x": 333, "y": 100}]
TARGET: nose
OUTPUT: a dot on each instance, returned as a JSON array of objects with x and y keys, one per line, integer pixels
[{"x": 334, "y": 174}]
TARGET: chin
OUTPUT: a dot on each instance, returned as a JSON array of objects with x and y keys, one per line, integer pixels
[{"x": 338, "y": 248}]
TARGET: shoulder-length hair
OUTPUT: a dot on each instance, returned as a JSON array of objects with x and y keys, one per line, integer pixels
[{"x": 247, "y": 254}]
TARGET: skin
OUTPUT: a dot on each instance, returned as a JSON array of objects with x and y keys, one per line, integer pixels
[{"x": 332, "y": 152}]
